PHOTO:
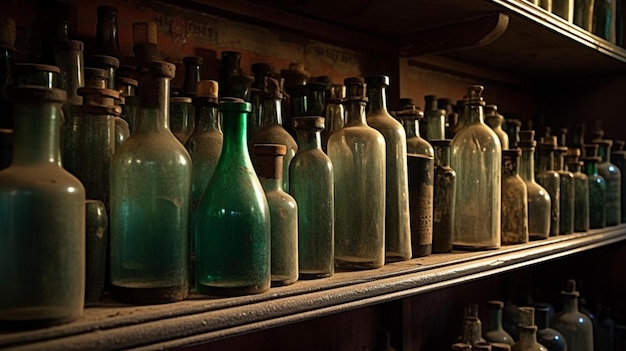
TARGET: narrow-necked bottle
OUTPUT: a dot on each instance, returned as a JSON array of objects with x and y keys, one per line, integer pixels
[
  {"x": 581, "y": 190},
  {"x": 233, "y": 224},
  {"x": 268, "y": 163},
  {"x": 127, "y": 87},
  {"x": 476, "y": 159},
  {"x": 548, "y": 178},
  {"x": 107, "y": 39},
  {"x": 357, "y": 152},
  {"x": 261, "y": 70},
  {"x": 107, "y": 63},
  {"x": 150, "y": 193},
  {"x": 46, "y": 76},
  {"x": 613, "y": 178},
  {"x": 233, "y": 82},
  {"x": 527, "y": 332},
  {"x": 494, "y": 331},
  {"x": 460, "y": 108},
  {"x": 444, "y": 195},
  {"x": 471, "y": 332},
  {"x": 182, "y": 118},
  {"x": 333, "y": 113},
  {"x": 398, "y": 238},
  {"x": 410, "y": 117},
  {"x": 575, "y": 326},
  {"x": 514, "y": 200},
  {"x": 567, "y": 194},
  {"x": 312, "y": 187},
  {"x": 193, "y": 74},
  {"x": 495, "y": 120},
  {"x": 42, "y": 213},
  {"x": 597, "y": 187},
  {"x": 538, "y": 198},
  {"x": 272, "y": 131},
  {"x": 435, "y": 119},
  {"x": 551, "y": 338}
]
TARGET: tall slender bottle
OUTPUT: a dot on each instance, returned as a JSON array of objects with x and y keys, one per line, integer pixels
[
  {"x": 538, "y": 197},
  {"x": 564, "y": 9},
  {"x": 597, "y": 187},
  {"x": 42, "y": 216},
  {"x": 494, "y": 331},
  {"x": 494, "y": 120},
  {"x": 193, "y": 74},
  {"x": 476, "y": 157},
  {"x": 107, "y": 32},
  {"x": 443, "y": 199},
  {"x": 233, "y": 224},
  {"x": 581, "y": 190},
  {"x": 150, "y": 193},
  {"x": 514, "y": 200},
  {"x": 398, "y": 238},
  {"x": 567, "y": 194},
  {"x": 613, "y": 178},
  {"x": 357, "y": 152},
  {"x": 548, "y": 178},
  {"x": 575, "y": 326},
  {"x": 333, "y": 113},
  {"x": 311, "y": 185},
  {"x": 435, "y": 118},
  {"x": 527, "y": 332}
]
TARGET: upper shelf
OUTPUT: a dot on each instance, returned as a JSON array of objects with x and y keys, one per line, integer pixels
[
  {"x": 525, "y": 40},
  {"x": 203, "y": 319}
]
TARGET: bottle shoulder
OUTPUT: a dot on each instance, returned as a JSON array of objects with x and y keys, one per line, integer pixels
[{"x": 49, "y": 178}]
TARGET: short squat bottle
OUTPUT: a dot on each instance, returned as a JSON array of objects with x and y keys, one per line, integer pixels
[
  {"x": 613, "y": 178},
  {"x": 567, "y": 194},
  {"x": 550, "y": 338},
  {"x": 312, "y": 187},
  {"x": 233, "y": 222},
  {"x": 444, "y": 195},
  {"x": 527, "y": 332},
  {"x": 476, "y": 158},
  {"x": 150, "y": 194},
  {"x": 397, "y": 227},
  {"x": 548, "y": 178},
  {"x": 471, "y": 333},
  {"x": 268, "y": 163},
  {"x": 597, "y": 187},
  {"x": 357, "y": 152},
  {"x": 494, "y": 120},
  {"x": 494, "y": 331},
  {"x": 514, "y": 200},
  {"x": 575, "y": 326},
  {"x": 538, "y": 198},
  {"x": 42, "y": 216}
]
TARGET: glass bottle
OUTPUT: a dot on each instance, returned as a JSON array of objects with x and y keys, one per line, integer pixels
[
  {"x": 618, "y": 156},
  {"x": 182, "y": 120},
  {"x": 233, "y": 224},
  {"x": 512, "y": 128},
  {"x": 333, "y": 113},
  {"x": 460, "y": 108},
  {"x": 613, "y": 178},
  {"x": 435, "y": 119},
  {"x": 597, "y": 187},
  {"x": 581, "y": 191},
  {"x": 472, "y": 326},
  {"x": 410, "y": 117},
  {"x": 233, "y": 82},
  {"x": 69, "y": 57},
  {"x": 357, "y": 152},
  {"x": 127, "y": 87},
  {"x": 107, "y": 39},
  {"x": 316, "y": 98},
  {"x": 476, "y": 158},
  {"x": 193, "y": 74},
  {"x": 42, "y": 213},
  {"x": 564, "y": 9},
  {"x": 538, "y": 198},
  {"x": 575, "y": 326},
  {"x": 145, "y": 44},
  {"x": 399, "y": 237},
  {"x": 46, "y": 76},
  {"x": 296, "y": 78},
  {"x": 604, "y": 19},
  {"x": 548, "y": 178},
  {"x": 421, "y": 193},
  {"x": 272, "y": 131},
  {"x": 545, "y": 4},
  {"x": 96, "y": 250},
  {"x": 494, "y": 120},
  {"x": 567, "y": 191},
  {"x": 527, "y": 332},
  {"x": 150, "y": 193},
  {"x": 261, "y": 70},
  {"x": 7, "y": 51},
  {"x": 96, "y": 77},
  {"x": 268, "y": 163},
  {"x": 546, "y": 336},
  {"x": 444, "y": 195},
  {"x": 494, "y": 331},
  {"x": 583, "y": 14},
  {"x": 514, "y": 200},
  {"x": 107, "y": 63},
  {"x": 312, "y": 187}
]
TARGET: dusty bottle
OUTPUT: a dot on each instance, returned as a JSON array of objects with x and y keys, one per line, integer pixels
[
  {"x": 548, "y": 337},
  {"x": 548, "y": 178},
  {"x": 333, "y": 113},
  {"x": 193, "y": 74},
  {"x": 512, "y": 128},
  {"x": 527, "y": 332},
  {"x": 296, "y": 78},
  {"x": 182, "y": 118},
  {"x": 69, "y": 57},
  {"x": 494, "y": 331},
  {"x": 514, "y": 200},
  {"x": 575, "y": 326},
  {"x": 410, "y": 117},
  {"x": 421, "y": 189},
  {"x": 150, "y": 193},
  {"x": 443, "y": 199},
  {"x": 316, "y": 98},
  {"x": 233, "y": 224},
  {"x": 567, "y": 194},
  {"x": 233, "y": 82},
  {"x": 472, "y": 326},
  {"x": 583, "y": 14},
  {"x": 359, "y": 234},
  {"x": 538, "y": 198},
  {"x": 597, "y": 187},
  {"x": 107, "y": 38},
  {"x": 435, "y": 119},
  {"x": 613, "y": 178},
  {"x": 107, "y": 63},
  {"x": 268, "y": 163},
  {"x": 476, "y": 158},
  {"x": 43, "y": 219},
  {"x": 312, "y": 187},
  {"x": 618, "y": 156},
  {"x": 495, "y": 120},
  {"x": 581, "y": 190},
  {"x": 398, "y": 236}
]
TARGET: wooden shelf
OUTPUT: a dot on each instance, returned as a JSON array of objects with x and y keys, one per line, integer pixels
[{"x": 202, "y": 319}]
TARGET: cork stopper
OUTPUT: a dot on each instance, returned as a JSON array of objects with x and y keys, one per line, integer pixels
[
  {"x": 527, "y": 139},
  {"x": 470, "y": 311},
  {"x": 208, "y": 88},
  {"x": 337, "y": 92},
  {"x": 460, "y": 346},
  {"x": 102, "y": 61},
  {"x": 590, "y": 150},
  {"x": 356, "y": 89},
  {"x": 573, "y": 152},
  {"x": 309, "y": 123},
  {"x": 126, "y": 71},
  {"x": 408, "y": 110},
  {"x": 482, "y": 346},
  {"x": 268, "y": 160},
  {"x": 93, "y": 96},
  {"x": 162, "y": 69},
  {"x": 126, "y": 86},
  {"x": 145, "y": 32},
  {"x": 96, "y": 77},
  {"x": 548, "y": 143},
  {"x": 272, "y": 89},
  {"x": 526, "y": 316},
  {"x": 36, "y": 94},
  {"x": 7, "y": 31},
  {"x": 473, "y": 96},
  {"x": 377, "y": 81},
  {"x": 570, "y": 288}
]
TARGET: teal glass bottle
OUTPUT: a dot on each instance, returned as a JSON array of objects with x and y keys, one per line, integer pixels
[
  {"x": 597, "y": 187},
  {"x": 182, "y": 114},
  {"x": 613, "y": 178},
  {"x": 312, "y": 187},
  {"x": 333, "y": 113},
  {"x": 514, "y": 200},
  {"x": 233, "y": 224},
  {"x": 398, "y": 237},
  {"x": 150, "y": 195},
  {"x": 567, "y": 194},
  {"x": 494, "y": 330},
  {"x": 575, "y": 326},
  {"x": 548, "y": 178},
  {"x": 538, "y": 197},
  {"x": 42, "y": 216},
  {"x": 357, "y": 152},
  {"x": 581, "y": 190},
  {"x": 268, "y": 163},
  {"x": 477, "y": 161},
  {"x": 444, "y": 195}
]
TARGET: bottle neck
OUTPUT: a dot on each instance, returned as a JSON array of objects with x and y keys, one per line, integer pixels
[
  {"x": 570, "y": 304},
  {"x": 207, "y": 118},
  {"x": 377, "y": 100},
  {"x": 192, "y": 77},
  {"x": 442, "y": 156},
  {"x": 527, "y": 164},
  {"x": 308, "y": 139},
  {"x": 411, "y": 127},
  {"x": 604, "y": 151},
  {"x": 37, "y": 133},
  {"x": 559, "y": 161},
  {"x": 545, "y": 161},
  {"x": 509, "y": 166},
  {"x": 155, "y": 105},
  {"x": 235, "y": 140},
  {"x": 471, "y": 330},
  {"x": 272, "y": 112},
  {"x": 316, "y": 102},
  {"x": 591, "y": 167},
  {"x": 107, "y": 41},
  {"x": 541, "y": 319},
  {"x": 474, "y": 114},
  {"x": 495, "y": 318},
  {"x": 355, "y": 113},
  {"x": 527, "y": 336},
  {"x": 298, "y": 102}
]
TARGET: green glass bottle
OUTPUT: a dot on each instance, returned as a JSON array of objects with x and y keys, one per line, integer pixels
[
  {"x": 567, "y": 194},
  {"x": 597, "y": 187},
  {"x": 581, "y": 190},
  {"x": 548, "y": 178},
  {"x": 538, "y": 197},
  {"x": 42, "y": 216},
  {"x": 150, "y": 195},
  {"x": 268, "y": 163},
  {"x": 312, "y": 187},
  {"x": 233, "y": 224},
  {"x": 333, "y": 113},
  {"x": 613, "y": 178},
  {"x": 494, "y": 330}
]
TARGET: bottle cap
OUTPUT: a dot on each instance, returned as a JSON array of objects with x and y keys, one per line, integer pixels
[
  {"x": 590, "y": 150},
  {"x": 548, "y": 143},
  {"x": 7, "y": 31},
  {"x": 377, "y": 81},
  {"x": 513, "y": 122},
  {"x": 570, "y": 288},
  {"x": 597, "y": 134},
  {"x": 162, "y": 69},
  {"x": 193, "y": 61},
  {"x": 316, "y": 86},
  {"x": 527, "y": 138},
  {"x": 208, "y": 88},
  {"x": 337, "y": 92},
  {"x": 471, "y": 310},
  {"x": 473, "y": 96},
  {"x": 573, "y": 151},
  {"x": 102, "y": 61},
  {"x": 526, "y": 316},
  {"x": 37, "y": 94},
  {"x": 356, "y": 89},
  {"x": 309, "y": 122}
]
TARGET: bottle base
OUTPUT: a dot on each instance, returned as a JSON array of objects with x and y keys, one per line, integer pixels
[
  {"x": 230, "y": 290},
  {"x": 422, "y": 250},
  {"x": 282, "y": 280},
  {"x": 534, "y": 237},
  {"x": 396, "y": 257},
  {"x": 353, "y": 265},
  {"x": 304, "y": 275},
  {"x": 464, "y": 247},
  {"x": 35, "y": 317},
  {"x": 148, "y": 295}
]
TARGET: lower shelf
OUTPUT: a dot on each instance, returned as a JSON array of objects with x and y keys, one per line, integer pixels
[{"x": 201, "y": 319}]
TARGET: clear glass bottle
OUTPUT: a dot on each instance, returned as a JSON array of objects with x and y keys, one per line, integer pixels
[
  {"x": 548, "y": 178},
  {"x": 182, "y": 118},
  {"x": 272, "y": 131},
  {"x": 514, "y": 200},
  {"x": 581, "y": 191},
  {"x": 312, "y": 187},
  {"x": 233, "y": 224},
  {"x": 435, "y": 119},
  {"x": 613, "y": 178},
  {"x": 495, "y": 120},
  {"x": 567, "y": 194},
  {"x": 494, "y": 331},
  {"x": 410, "y": 117},
  {"x": 193, "y": 74},
  {"x": 527, "y": 332},
  {"x": 597, "y": 187},
  {"x": 150, "y": 193},
  {"x": 398, "y": 234},
  {"x": 538, "y": 197},
  {"x": 268, "y": 163},
  {"x": 107, "y": 38},
  {"x": 333, "y": 113},
  {"x": 357, "y": 152},
  {"x": 576, "y": 327},
  {"x": 564, "y": 9},
  {"x": 476, "y": 158},
  {"x": 548, "y": 337},
  {"x": 472, "y": 326},
  {"x": 444, "y": 195},
  {"x": 42, "y": 213}
]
